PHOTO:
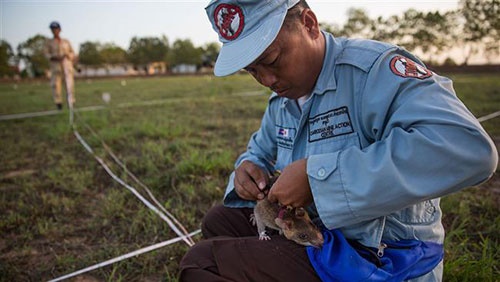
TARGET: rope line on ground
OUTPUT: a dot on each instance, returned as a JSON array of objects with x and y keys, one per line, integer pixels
[
  {"x": 163, "y": 213},
  {"x": 155, "y": 102},
  {"x": 121, "y": 105},
  {"x": 123, "y": 257},
  {"x": 132, "y": 189},
  {"x": 488, "y": 117},
  {"x": 131, "y": 175}
]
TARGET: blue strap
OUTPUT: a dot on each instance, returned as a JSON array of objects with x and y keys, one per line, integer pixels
[{"x": 337, "y": 260}]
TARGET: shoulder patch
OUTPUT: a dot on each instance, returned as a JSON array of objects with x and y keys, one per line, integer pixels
[{"x": 404, "y": 67}]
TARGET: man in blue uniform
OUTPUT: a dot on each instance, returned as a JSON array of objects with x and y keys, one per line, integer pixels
[{"x": 365, "y": 137}]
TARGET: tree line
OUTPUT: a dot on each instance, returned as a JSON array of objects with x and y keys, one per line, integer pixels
[
  {"x": 145, "y": 50},
  {"x": 473, "y": 28},
  {"x": 141, "y": 52}
]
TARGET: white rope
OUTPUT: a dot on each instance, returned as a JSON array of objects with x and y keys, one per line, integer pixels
[
  {"x": 185, "y": 237},
  {"x": 488, "y": 117},
  {"x": 121, "y": 105},
  {"x": 182, "y": 235},
  {"x": 123, "y": 257},
  {"x": 28, "y": 115},
  {"x": 48, "y": 113},
  {"x": 129, "y": 173}
]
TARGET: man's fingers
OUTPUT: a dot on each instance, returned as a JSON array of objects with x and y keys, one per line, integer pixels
[
  {"x": 256, "y": 174},
  {"x": 250, "y": 181},
  {"x": 246, "y": 187},
  {"x": 271, "y": 197}
]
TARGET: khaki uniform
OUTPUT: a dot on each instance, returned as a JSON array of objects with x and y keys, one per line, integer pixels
[{"x": 61, "y": 57}]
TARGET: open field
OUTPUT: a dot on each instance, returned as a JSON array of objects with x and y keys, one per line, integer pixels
[{"x": 62, "y": 212}]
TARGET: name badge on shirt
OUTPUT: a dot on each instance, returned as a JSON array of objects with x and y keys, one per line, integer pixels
[
  {"x": 330, "y": 124},
  {"x": 285, "y": 136}
]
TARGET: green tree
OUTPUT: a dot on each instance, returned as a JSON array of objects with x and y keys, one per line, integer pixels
[
  {"x": 210, "y": 53},
  {"x": 358, "y": 24},
  {"x": 89, "y": 55},
  {"x": 6, "y": 59},
  {"x": 386, "y": 30},
  {"x": 112, "y": 54},
  {"x": 32, "y": 53},
  {"x": 429, "y": 33},
  {"x": 146, "y": 50},
  {"x": 184, "y": 52},
  {"x": 411, "y": 26},
  {"x": 332, "y": 28},
  {"x": 481, "y": 27}
]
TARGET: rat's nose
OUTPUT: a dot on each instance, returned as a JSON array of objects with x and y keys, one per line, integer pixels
[{"x": 318, "y": 243}]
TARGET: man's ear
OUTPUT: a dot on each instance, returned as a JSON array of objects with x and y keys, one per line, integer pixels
[{"x": 310, "y": 22}]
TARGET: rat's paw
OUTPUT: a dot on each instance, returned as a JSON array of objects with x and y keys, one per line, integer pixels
[
  {"x": 263, "y": 236},
  {"x": 253, "y": 221}
]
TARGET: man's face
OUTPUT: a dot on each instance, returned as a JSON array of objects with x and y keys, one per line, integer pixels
[
  {"x": 55, "y": 31},
  {"x": 286, "y": 65}
]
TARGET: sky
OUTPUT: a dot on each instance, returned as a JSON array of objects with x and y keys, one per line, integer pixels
[{"x": 112, "y": 21}]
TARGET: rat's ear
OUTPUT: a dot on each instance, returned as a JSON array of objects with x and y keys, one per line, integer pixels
[
  {"x": 300, "y": 212},
  {"x": 283, "y": 223}
]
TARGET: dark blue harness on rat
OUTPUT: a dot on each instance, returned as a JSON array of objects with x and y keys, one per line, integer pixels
[{"x": 341, "y": 260}]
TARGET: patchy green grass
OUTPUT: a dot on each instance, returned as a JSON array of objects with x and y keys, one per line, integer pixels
[{"x": 62, "y": 212}]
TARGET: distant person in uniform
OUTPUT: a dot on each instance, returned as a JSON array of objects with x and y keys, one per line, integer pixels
[{"x": 61, "y": 56}]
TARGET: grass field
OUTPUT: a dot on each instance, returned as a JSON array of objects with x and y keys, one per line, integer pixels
[{"x": 61, "y": 212}]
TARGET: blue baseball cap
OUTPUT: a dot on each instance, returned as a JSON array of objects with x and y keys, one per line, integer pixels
[
  {"x": 246, "y": 28},
  {"x": 54, "y": 25}
]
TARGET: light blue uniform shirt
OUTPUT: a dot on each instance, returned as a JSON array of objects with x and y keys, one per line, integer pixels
[{"x": 384, "y": 138}]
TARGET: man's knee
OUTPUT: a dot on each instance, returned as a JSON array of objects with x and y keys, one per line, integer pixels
[
  {"x": 198, "y": 259},
  {"x": 224, "y": 221},
  {"x": 215, "y": 215}
]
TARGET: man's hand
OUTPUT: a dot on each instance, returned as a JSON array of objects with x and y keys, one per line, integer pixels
[
  {"x": 292, "y": 186},
  {"x": 250, "y": 181}
]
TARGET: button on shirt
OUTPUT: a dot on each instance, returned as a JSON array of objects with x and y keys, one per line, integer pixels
[{"x": 384, "y": 138}]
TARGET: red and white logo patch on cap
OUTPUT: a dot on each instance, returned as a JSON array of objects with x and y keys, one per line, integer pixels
[
  {"x": 405, "y": 67},
  {"x": 229, "y": 20}
]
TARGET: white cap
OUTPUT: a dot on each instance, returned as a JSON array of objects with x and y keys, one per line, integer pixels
[{"x": 246, "y": 28}]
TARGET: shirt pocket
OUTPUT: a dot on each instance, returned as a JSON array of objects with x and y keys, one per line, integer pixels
[{"x": 421, "y": 213}]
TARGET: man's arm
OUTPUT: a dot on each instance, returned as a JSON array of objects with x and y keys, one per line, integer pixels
[
  {"x": 70, "y": 54},
  {"x": 255, "y": 165},
  {"x": 426, "y": 145}
]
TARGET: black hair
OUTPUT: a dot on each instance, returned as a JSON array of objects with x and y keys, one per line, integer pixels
[{"x": 294, "y": 13}]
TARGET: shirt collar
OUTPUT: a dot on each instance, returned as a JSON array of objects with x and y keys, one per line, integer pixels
[{"x": 326, "y": 80}]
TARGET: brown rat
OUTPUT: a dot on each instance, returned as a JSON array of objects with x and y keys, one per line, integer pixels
[{"x": 295, "y": 224}]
